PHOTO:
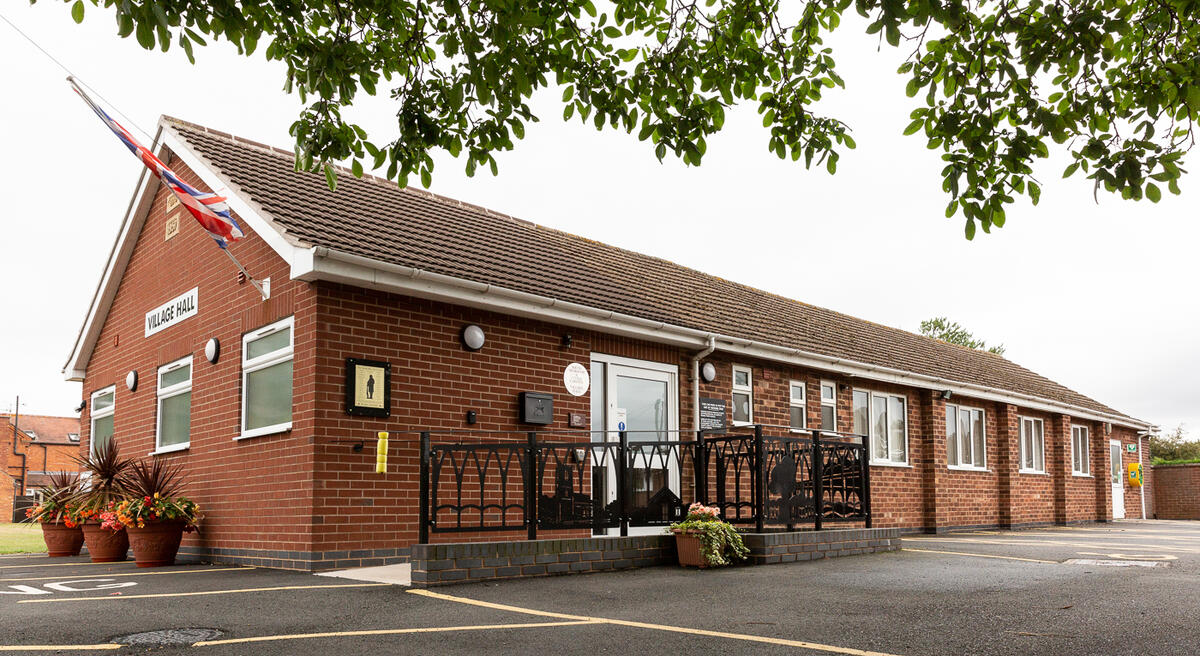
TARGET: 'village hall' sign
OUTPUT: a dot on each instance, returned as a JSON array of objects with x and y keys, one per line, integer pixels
[{"x": 172, "y": 312}]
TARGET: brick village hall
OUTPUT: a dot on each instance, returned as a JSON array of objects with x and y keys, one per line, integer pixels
[{"x": 462, "y": 320}]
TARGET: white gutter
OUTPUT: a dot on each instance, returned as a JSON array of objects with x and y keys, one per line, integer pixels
[
  {"x": 712, "y": 346},
  {"x": 337, "y": 266}
]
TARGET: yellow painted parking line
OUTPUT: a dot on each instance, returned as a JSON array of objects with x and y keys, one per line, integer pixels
[
  {"x": 976, "y": 555},
  {"x": 1060, "y": 543},
  {"x": 198, "y": 594},
  {"x": 176, "y": 571},
  {"x": 61, "y": 648},
  {"x": 379, "y": 632},
  {"x": 657, "y": 627},
  {"x": 84, "y": 564}
]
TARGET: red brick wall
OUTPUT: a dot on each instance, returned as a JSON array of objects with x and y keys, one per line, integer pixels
[
  {"x": 1176, "y": 491},
  {"x": 257, "y": 492}
]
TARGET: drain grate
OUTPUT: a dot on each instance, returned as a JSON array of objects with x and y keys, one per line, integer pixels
[{"x": 168, "y": 637}]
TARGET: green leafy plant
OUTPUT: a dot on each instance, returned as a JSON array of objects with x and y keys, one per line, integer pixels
[
  {"x": 995, "y": 86},
  {"x": 57, "y": 500},
  {"x": 1174, "y": 448},
  {"x": 720, "y": 542},
  {"x": 153, "y": 494},
  {"x": 942, "y": 328},
  {"x": 104, "y": 484}
]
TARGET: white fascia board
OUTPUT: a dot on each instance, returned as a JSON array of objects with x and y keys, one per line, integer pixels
[
  {"x": 331, "y": 265},
  {"x": 114, "y": 270}
]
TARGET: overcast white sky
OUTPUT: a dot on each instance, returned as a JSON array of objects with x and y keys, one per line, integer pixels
[{"x": 1098, "y": 297}]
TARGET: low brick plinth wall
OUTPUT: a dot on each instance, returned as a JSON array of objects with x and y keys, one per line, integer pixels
[
  {"x": 1176, "y": 491},
  {"x": 472, "y": 562},
  {"x": 771, "y": 548}
]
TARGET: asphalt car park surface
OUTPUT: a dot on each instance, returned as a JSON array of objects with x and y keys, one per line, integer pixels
[{"x": 1120, "y": 588}]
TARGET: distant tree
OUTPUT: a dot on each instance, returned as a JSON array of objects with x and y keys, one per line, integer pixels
[
  {"x": 995, "y": 86},
  {"x": 1174, "y": 446},
  {"x": 949, "y": 331}
]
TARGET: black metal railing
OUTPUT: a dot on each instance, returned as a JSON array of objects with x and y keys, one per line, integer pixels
[{"x": 585, "y": 480}]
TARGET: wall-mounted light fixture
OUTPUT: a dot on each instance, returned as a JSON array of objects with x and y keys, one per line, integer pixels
[
  {"x": 81, "y": 406},
  {"x": 708, "y": 372},
  {"x": 567, "y": 340},
  {"x": 1107, "y": 428},
  {"x": 212, "y": 350},
  {"x": 472, "y": 417},
  {"x": 472, "y": 337},
  {"x": 845, "y": 387},
  {"x": 946, "y": 394},
  {"x": 131, "y": 380}
]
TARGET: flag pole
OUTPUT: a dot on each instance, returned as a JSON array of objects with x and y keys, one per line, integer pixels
[{"x": 246, "y": 273}]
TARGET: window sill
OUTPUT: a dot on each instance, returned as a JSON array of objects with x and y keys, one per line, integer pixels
[
  {"x": 1032, "y": 472},
  {"x": 742, "y": 424},
  {"x": 969, "y": 469},
  {"x": 174, "y": 448},
  {"x": 888, "y": 463},
  {"x": 1078, "y": 475},
  {"x": 265, "y": 430}
]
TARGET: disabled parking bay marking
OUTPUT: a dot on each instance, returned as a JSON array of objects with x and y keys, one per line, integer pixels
[{"x": 976, "y": 555}]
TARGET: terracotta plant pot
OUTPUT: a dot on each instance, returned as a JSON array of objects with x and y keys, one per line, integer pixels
[
  {"x": 156, "y": 544},
  {"x": 687, "y": 545},
  {"x": 62, "y": 541},
  {"x": 105, "y": 546}
]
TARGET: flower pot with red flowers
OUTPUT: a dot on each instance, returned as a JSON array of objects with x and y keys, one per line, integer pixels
[
  {"x": 155, "y": 514},
  {"x": 62, "y": 535},
  {"x": 703, "y": 539},
  {"x": 94, "y": 504}
]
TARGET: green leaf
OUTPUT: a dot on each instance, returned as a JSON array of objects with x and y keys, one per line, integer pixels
[
  {"x": 1153, "y": 192},
  {"x": 77, "y": 11},
  {"x": 356, "y": 168},
  {"x": 330, "y": 177},
  {"x": 914, "y": 127}
]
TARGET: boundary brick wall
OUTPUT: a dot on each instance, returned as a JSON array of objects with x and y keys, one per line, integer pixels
[{"x": 1176, "y": 490}]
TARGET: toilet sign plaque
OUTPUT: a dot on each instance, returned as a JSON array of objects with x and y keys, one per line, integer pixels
[{"x": 368, "y": 388}]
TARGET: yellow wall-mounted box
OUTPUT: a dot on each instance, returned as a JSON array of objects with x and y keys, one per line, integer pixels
[{"x": 1135, "y": 474}]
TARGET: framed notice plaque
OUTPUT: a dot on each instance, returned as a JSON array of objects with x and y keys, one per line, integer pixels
[{"x": 368, "y": 388}]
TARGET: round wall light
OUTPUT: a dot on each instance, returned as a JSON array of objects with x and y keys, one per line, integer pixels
[
  {"x": 212, "y": 350},
  {"x": 131, "y": 380},
  {"x": 708, "y": 373},
  {"x": 472, "y": 337}
]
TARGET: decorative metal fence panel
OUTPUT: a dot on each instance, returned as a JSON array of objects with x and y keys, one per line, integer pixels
[{"x": 547, "y": 482}]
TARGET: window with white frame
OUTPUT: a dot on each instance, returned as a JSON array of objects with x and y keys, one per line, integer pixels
[
  {"x": 1033, "y": 446},
  {"x": 103, "y": 405},
  {"x": 799, "y": 412},
  {"x": 861, "y": 414},
  {"x": 1080, "y": 463},
  {"x": 743, "y": 395},
  {"x": 174, "y": 405},
  {"x": 887, "y": 425},
  {"x": 267, "y": 379},
  {"x": 828, "y": 406},
  {"x": 966, "y": 442}
]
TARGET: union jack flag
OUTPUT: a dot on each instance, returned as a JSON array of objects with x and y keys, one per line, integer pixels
[{"x": 208, "y": 208}]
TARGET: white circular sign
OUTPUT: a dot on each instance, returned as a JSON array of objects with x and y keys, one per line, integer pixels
[{"x": 576, "y": 378}]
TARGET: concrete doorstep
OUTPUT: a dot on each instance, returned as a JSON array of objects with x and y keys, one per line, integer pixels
[{"x": 400, "y": 574}]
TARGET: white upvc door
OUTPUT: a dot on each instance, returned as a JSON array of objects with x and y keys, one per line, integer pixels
[
  {"x": 645, "y": 397},
  {"x": 1118, "y": 481}
]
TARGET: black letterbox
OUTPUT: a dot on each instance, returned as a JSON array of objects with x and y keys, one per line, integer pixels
[{"x": 536, "y": 408}]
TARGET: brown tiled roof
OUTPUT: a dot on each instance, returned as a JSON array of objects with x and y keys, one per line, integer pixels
[
  {"x": 47, "y": 429},
  {"x": 376, "y": 219}
]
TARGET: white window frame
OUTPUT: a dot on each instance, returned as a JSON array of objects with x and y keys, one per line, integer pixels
[
  {"x": 871, "y": 437},
  {"x": 1021, "y": 468},
  {"x": 983, "y": 425},
  {"x": 832, "y": 404},
  {"x": 1086, "y": 434},
  {"x": 106, "y": 412},
  {"x": 801, "y": 402},
  {"x": 165, "y": 393},
  {"x": 262, "y": 362},
  {"x": 747, "y": 389}
]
